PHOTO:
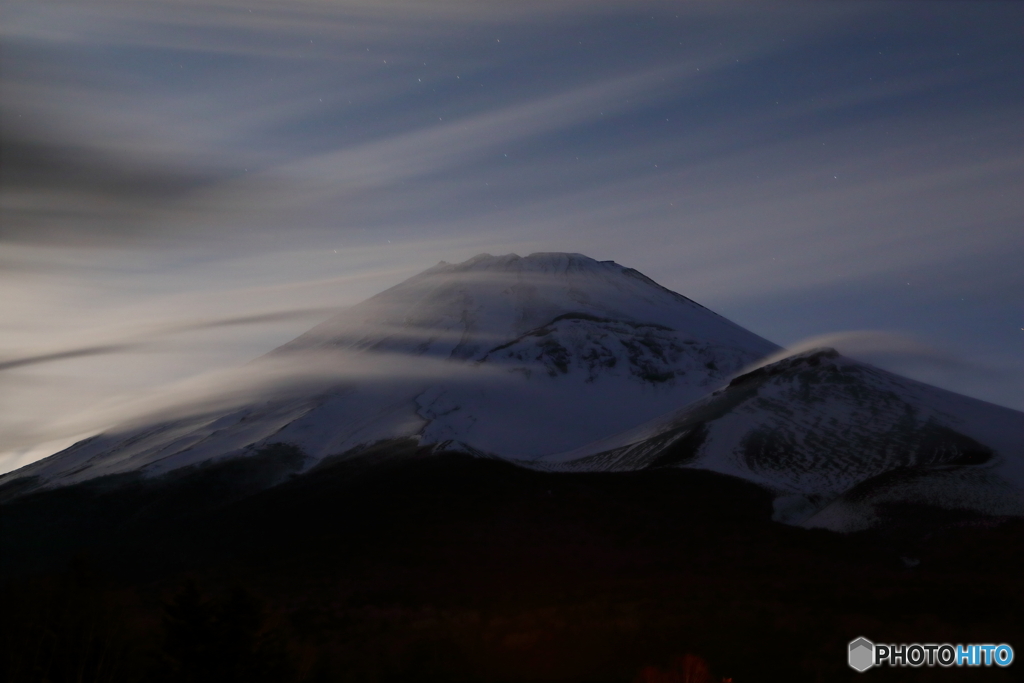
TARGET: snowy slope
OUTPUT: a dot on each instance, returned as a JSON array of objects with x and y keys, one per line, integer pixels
[
  {"x": 836, "y": 440},
  {"x": 509, "y": 356}
]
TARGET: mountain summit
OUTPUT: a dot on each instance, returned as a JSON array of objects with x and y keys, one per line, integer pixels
[{"x": 507, "y": 356}]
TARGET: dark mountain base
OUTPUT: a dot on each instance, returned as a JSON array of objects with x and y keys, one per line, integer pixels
[{"x": 447, "y": 567}]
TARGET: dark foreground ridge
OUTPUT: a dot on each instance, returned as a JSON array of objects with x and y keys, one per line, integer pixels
[{"x": 403, "y": 565}]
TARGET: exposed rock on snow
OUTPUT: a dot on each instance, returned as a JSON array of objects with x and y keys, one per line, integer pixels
[{"x": 837, "y": 440}]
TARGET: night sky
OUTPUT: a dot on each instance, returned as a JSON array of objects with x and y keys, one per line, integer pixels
[{"x": 187, "y": 184}]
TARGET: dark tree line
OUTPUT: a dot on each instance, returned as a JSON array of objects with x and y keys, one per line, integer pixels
[
  {"x": 208, "y": 640},
  {"x": 76, "y": 628}
]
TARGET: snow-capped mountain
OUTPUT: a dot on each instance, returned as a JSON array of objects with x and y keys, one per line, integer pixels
[
  {"x": 837, "y": 441},
  {"x": 503, "y": 355}
]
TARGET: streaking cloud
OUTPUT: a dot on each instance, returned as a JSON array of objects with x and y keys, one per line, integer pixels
[{"x": 800, "y": 169}]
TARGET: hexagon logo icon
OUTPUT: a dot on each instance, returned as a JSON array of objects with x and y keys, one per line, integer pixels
[{"x": 862, "y": 654}]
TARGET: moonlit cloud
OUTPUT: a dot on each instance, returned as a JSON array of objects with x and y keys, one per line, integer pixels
[
  {"x": 800, "y": 168},
  {"x": 306, "y": 373},
  {"x": 149, "y": 337}
]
